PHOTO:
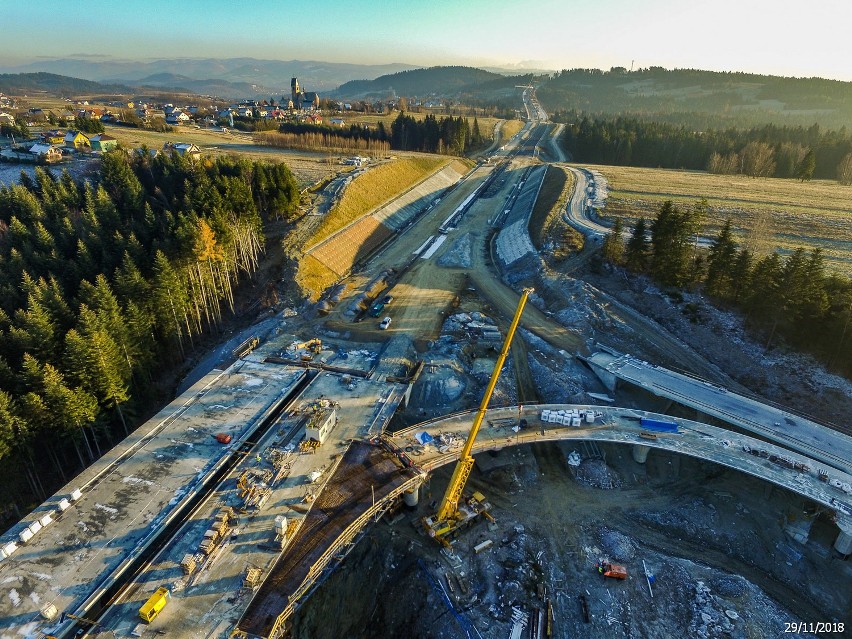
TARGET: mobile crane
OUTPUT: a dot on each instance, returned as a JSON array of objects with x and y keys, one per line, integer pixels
[{"x": 455, "y": 512}]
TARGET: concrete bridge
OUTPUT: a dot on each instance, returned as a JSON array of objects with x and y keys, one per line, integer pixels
[{"x": 370, "y": 476}]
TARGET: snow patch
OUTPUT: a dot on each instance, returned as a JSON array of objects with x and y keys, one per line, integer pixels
[
  {"x": 107, "y": 509},
  {"x": 131, "y": 479}
]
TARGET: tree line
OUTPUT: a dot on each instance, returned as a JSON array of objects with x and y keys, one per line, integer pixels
[
  {"x": 788, "y": 296},
  {"x": 105, "y": 285},
  {"x": 767, "y": 151},
  {"x": 449, "y": 135}
]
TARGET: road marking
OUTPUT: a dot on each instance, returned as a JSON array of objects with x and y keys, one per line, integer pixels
[
  {"x": 423, "y": 246},
  {"x": 435, "y": 245}
]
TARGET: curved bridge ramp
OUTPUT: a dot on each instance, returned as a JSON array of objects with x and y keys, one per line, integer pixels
[
  {"x": 347, "y": 503},
  {"x": 364, "y": 483}
]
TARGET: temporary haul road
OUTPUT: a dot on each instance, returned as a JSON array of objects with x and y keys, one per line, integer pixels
[{"x": 147, "y": 505}]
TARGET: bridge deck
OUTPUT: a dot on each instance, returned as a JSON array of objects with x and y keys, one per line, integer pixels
[
  {"x": 365, "y": 476},
  {"x": 783, "y": 427}
]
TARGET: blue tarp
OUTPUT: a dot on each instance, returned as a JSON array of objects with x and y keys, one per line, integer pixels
[{"x": 424, "y": 438}]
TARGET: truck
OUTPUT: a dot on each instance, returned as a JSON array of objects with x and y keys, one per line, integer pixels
[{"x": 156, "y": 602}]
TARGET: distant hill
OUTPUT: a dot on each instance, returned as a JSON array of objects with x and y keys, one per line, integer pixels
[
  {"x": 270, "y": 76},
  {"x": 58, "y": 85},
  {"x": 214, "y": 87},
  {"x": 701, "y": 99},
  {"x": 423, "y": 82}
]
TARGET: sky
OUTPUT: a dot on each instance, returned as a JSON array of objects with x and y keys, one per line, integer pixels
[{"x": 778, "y": 37}]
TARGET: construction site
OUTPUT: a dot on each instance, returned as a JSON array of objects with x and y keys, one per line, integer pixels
[{"x": 481, "y": 457}]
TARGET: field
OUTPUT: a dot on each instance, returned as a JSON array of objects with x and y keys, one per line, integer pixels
[
  {"x": 374, "y": 187},
  {"x": 510, "y": 128},
  {"x": 308, "y": 167},
  {"x": 767, "y": 213}
]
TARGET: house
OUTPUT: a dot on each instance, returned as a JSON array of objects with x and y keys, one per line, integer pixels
[
  {"x": 7, "y": 118},
  {"x": 48, "y": 152},
  {"x": 77, "y": 140},
  {"x": 65, "y": 115},
  {"x": 310, "y": 101},
  {"x": 314, "y": 118},
  {"x": 182, "y": 148},
  {"x": 103, "y": 142},
  {"x": 91, "y": 112},
  {"x": 337, "y": 122},
  {"x": 177, "y": 117},
  {"x": 54, "y": 136}
]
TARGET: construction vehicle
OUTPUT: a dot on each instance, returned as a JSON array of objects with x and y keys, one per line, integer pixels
[
  {"x": 456, "y": 512},
  {"x": 614, "y": 571},
  {"x": 156, "y": 602},
  {"x": 312, "y": 346},
  {"x": 246, "y": 347}
]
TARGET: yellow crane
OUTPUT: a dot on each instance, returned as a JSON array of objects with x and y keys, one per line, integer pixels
[{"x": 454, "y": 513}]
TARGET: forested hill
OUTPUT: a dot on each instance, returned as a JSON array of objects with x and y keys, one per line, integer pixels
[
  {"x": 434, "y": 80},
  {"x": 699, "y": 99},
  {"x": 104, "y": 287},
  {"x": 18, "y": 83}
]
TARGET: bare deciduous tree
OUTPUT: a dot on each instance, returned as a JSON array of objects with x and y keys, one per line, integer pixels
[
  {"x": 844, "y": 170},
  {"x": 758, "y": 159}
]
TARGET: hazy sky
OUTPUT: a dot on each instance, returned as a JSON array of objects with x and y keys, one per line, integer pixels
[{"x": 765, "y": 36}]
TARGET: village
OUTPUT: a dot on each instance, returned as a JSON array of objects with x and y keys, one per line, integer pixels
[{"x": 43, "y": 135}]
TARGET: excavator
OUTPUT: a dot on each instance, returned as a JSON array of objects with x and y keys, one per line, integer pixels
[
  {"x": 313, "y": 346},
  {"x": 457, "y": 510}
]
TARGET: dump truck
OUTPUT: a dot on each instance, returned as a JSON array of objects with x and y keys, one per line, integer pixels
[
  {"x": 156, "y": 602},
  {"x": 611, "y": 570}
]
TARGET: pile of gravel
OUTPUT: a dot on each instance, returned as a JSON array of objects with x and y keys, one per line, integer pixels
[
  {"x": 595, "y": 473},
  {"x": 459, "y": 254},
  {"x": 617, "y": 545},
  {"x": 730, "y": 587}
]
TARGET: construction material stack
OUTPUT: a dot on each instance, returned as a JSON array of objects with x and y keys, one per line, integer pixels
[{"x": 253, "y": 487}]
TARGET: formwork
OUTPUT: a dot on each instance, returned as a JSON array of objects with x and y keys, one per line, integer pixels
[{"x": 364, "y": 482}]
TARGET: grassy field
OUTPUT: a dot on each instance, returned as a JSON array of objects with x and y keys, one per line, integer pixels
[
  {"x": 767, "y": 213},
  {"x": 376, "y": 186},
  {"x": 308, "y": 167},
  {"x": 510, "y": 128}
]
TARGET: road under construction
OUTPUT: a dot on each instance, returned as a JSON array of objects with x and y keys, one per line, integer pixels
[{"x": 242, "y": 532}]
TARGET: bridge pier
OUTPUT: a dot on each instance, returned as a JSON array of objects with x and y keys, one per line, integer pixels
[
  {"x": 411, "y": 496},
  {"x": 843, "y": 543},
  {"x": 609, "y": 380},
  {"x": 640, "y": 453}
]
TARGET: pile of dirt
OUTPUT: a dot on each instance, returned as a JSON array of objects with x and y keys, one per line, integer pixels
[{"x": 458, "y": 256}]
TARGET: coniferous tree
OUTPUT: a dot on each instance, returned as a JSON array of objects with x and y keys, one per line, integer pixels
[
  {"x": 636, "y": 251},
  {"x": 613, "y": 246},
  {"x": 805, "y": 169},
  {"x": 672, "y": 234},
  {"x": 720, "y": 263}
]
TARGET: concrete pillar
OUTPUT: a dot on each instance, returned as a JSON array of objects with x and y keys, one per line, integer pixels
[
  {"x": 843, "y": 543},
  {"x": 640, "y": 453},
  {"x": 411, "y": 496},
  {"x": 607, "y": 379}
]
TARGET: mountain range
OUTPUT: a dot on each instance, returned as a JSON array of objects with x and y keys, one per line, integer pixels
[{"x": 230, "y": 77}]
